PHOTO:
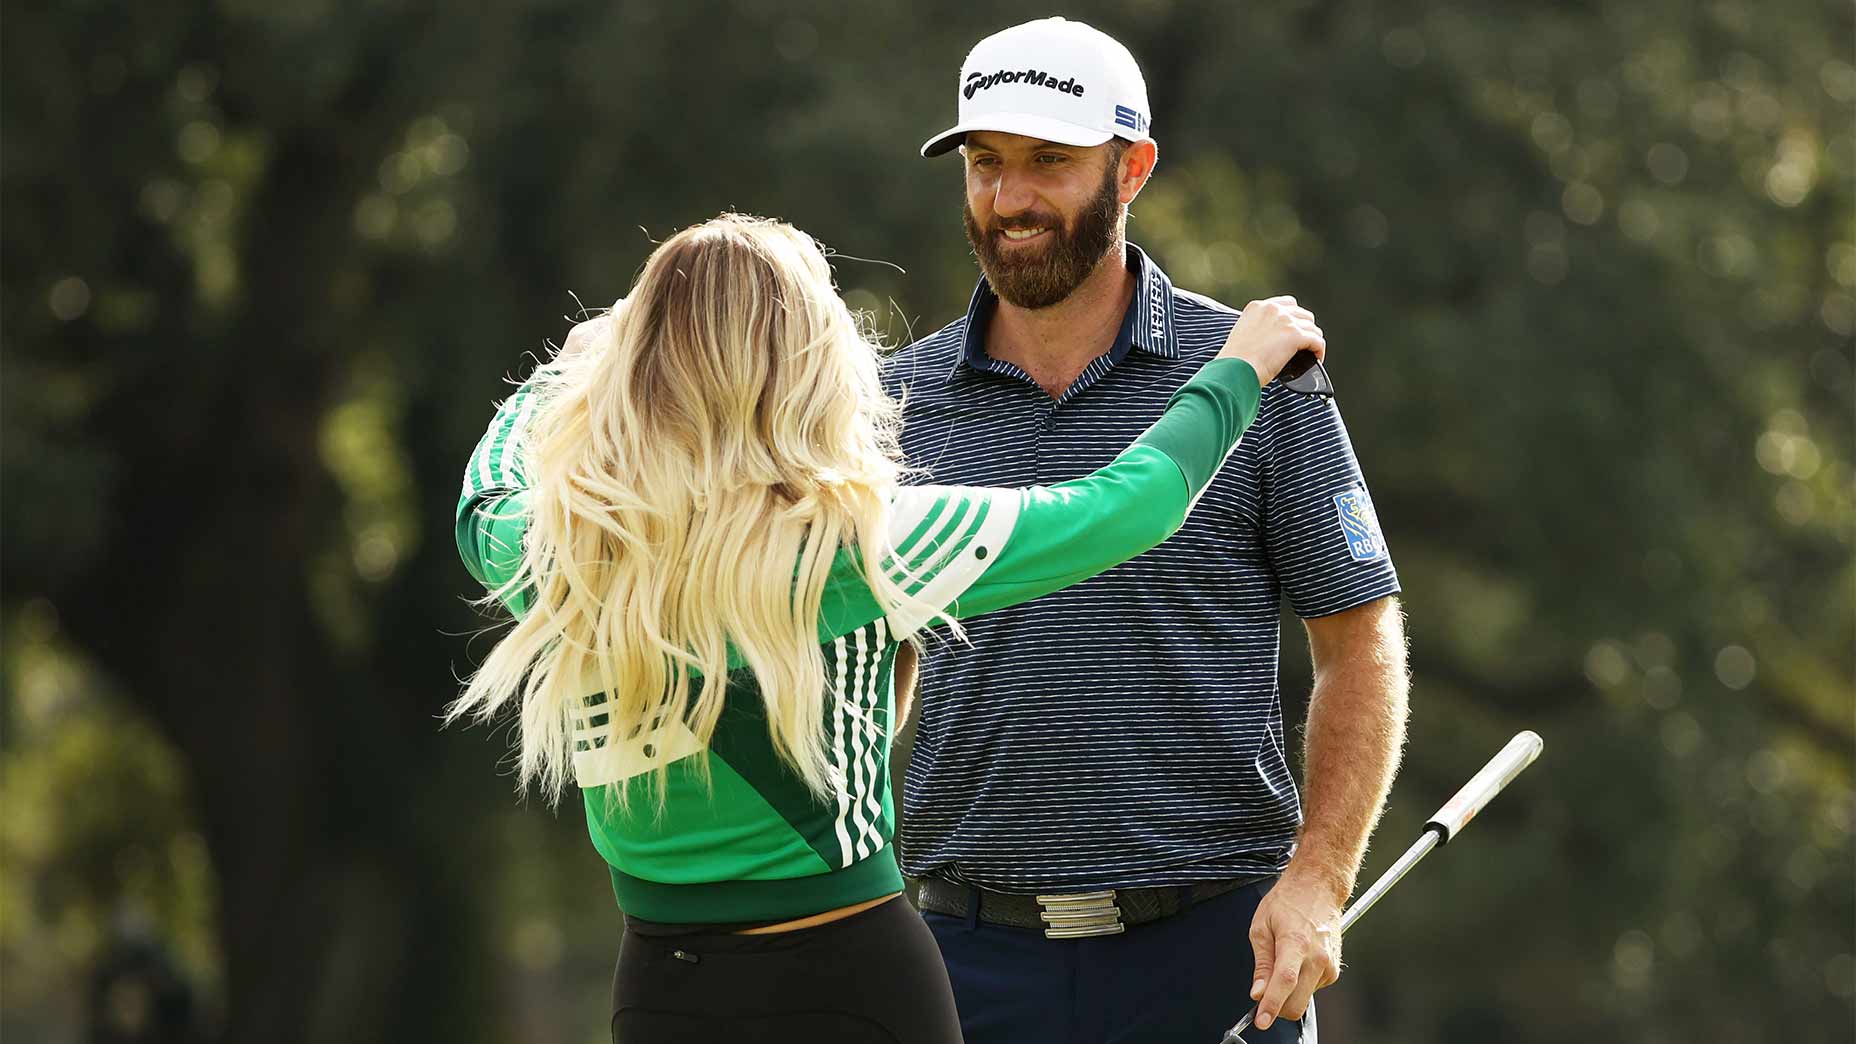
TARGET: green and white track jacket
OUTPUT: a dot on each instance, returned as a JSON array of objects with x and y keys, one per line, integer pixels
[{"x": 752, "y": 843}]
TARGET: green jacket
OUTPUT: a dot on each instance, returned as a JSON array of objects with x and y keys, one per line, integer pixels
[{"x": 753, "y": 843}]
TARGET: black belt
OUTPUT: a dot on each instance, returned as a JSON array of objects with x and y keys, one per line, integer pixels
[{"x": 1071, "y": 915}]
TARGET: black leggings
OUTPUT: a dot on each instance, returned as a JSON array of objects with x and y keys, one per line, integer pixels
[{"x": 872, "y": 978}]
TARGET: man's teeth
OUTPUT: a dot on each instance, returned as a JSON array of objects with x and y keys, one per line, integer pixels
[{"x": 1022, "y": 233}]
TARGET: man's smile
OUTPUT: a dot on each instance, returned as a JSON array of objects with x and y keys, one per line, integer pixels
[{"x": 1022, "y": 235}]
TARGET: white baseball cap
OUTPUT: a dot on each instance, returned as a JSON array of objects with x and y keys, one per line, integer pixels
[{"x": 1052, "y": 79}]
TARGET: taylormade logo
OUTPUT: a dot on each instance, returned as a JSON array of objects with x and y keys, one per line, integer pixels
[{"x": 977, "y": 82}]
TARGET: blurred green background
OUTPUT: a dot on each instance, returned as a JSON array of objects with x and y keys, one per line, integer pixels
[{"x": 1588, "y": 269}]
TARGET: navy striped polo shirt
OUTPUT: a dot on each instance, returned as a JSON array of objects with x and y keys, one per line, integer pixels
[{"x": 1127, "y": 731}]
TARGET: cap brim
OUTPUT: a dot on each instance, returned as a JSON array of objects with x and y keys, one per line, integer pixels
[{"x": 1043, "y": 128}]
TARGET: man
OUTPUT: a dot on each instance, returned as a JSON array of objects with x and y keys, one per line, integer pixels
[{"x": 1100, "y": 804}]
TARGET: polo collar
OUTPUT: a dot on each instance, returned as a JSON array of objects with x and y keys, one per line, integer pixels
[{"x": 1147, "y": 326}]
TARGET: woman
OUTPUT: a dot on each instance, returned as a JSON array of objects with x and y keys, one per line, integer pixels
[{"x": 693, "y": 489}]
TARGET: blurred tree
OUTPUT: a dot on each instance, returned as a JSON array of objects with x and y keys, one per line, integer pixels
[
  {"x": 1589, "y": 269},
  {"x": 185, "y": 298},
  {"x": 1594, "y": 264}
]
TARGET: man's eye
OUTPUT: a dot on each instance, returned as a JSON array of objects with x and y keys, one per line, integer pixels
[
  {"x": 1050, "y": 159},
  {"x": 984, "y": 161}
]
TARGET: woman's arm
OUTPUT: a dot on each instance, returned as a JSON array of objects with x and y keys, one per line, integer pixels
[
  {"x": 492, "y": 511},
  {"x": 971, "y": 550}
]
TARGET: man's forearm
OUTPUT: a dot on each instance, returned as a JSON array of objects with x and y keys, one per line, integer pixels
[{"x": 1356, "y": 732}]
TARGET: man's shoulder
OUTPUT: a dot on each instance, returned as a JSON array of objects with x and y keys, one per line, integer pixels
[
  {"x": 1202, "y": 323},
  {"x": 933, "y": 355},
  {"x": 1190, "y": 306}
]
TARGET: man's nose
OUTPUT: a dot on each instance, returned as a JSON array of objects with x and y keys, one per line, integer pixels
[{"x": 1012, "y": 196}]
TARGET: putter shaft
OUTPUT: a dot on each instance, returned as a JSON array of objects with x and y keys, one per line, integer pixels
[
  {"x": 1439, "y": 829},
  {"x": 1418, "y": 850}
]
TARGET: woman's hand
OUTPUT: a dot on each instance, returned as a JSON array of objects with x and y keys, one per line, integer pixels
[
  {"x": 1269, "y": 333},
  {"x": 596, "y": 331}
]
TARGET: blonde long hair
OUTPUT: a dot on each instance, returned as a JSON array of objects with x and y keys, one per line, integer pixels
[{"x": 695, "y": 471}]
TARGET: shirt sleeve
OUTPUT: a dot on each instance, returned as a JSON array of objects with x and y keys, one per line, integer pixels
[
  {"x": 968, "y": 550},
  {"x": 963, "y": 550},
  {"x": 492, "y": 513},
  {"x": 1319, "y": 527}
]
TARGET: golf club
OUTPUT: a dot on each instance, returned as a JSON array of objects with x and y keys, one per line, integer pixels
[
  {"x": 1438, "y": 830},
  {"x": 1305, "y": 375}
]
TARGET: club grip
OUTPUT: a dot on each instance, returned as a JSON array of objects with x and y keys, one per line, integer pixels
[{"x": 1498, "y": 773}]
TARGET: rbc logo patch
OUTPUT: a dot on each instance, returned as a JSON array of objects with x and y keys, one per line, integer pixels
[{"x": 1360, "y": 523}]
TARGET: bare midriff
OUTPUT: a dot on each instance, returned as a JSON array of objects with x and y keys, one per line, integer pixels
[{"x": 814, "y": 920}]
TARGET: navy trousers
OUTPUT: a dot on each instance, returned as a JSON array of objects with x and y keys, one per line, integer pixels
[{"x": 1183, "y": 979}]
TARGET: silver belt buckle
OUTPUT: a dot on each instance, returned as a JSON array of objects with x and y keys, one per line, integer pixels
[{"x": 1079, "y": 915}]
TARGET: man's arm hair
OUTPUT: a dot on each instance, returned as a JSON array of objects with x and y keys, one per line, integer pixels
[{"x": 1356, "y": 733}]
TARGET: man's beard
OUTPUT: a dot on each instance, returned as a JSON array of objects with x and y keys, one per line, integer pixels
[{"x": 1040, "y": 278}]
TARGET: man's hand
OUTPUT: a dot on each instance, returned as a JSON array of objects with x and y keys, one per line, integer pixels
[{"x": 1297, "y": 950}]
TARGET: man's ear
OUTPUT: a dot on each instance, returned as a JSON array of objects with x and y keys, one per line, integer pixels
[{"x": 1137, "y": 165}]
